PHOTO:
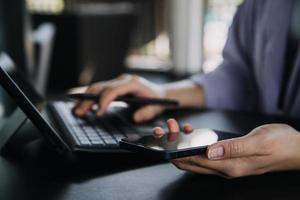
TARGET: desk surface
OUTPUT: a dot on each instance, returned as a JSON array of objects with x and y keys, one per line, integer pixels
[{"x": 36, "y": 172}]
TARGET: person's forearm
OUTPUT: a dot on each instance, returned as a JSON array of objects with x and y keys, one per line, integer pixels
[{"x": 186, "y": 92}]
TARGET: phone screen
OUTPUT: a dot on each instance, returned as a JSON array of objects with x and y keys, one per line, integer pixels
[{"x": 196, "y": 139}]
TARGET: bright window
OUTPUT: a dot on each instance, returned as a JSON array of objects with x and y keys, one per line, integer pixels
[{"x": 218, "y": 18}]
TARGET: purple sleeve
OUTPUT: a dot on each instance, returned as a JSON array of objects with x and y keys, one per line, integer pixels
[{"x": 231, "y": 85}]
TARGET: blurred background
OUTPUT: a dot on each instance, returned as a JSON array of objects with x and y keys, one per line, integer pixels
[{"x": 60, "y": 44}]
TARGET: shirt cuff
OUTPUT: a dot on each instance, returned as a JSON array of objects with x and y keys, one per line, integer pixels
[{"x": 214, "y": 95}]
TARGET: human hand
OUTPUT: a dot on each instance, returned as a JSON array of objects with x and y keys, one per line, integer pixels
[
  {"x": 123, "y": 85},
  {"x": 273, "y": 147},
  {"x": 174, "y": 130}
]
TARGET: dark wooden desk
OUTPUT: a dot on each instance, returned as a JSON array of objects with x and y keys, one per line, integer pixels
[{"x": 36, "y": 172}]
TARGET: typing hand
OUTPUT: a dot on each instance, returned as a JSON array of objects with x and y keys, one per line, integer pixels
[
  {"x": 273, "y": 147},
  {"x": 123, "y": 85}
]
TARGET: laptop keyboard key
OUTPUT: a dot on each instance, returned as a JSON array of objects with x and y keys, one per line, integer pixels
[
  {"x": 85, "y": 142},
  {"x": 110, "y": 141},
  {"x": 118, "y": 137},
  {"x": 98, "y": 142},
  {"x": 105, "y": 131}
]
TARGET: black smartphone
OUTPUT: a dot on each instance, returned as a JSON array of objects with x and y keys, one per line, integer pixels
[{"x": 194, "y": 143}]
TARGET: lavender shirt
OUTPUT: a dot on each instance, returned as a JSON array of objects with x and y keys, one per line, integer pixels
[{"x": 250, "y": 76}]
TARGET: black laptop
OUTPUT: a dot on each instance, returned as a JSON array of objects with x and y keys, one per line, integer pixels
[{"x": 55, "y": 120}]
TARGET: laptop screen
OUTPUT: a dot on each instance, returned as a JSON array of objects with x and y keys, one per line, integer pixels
[
  {"x": 9, "y": 111},
  {"x": 7, "y": 105},
  {"x": 18, "y": 94}
]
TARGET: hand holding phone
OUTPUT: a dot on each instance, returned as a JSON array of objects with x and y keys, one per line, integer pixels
[{"x": 175, "y": 143}]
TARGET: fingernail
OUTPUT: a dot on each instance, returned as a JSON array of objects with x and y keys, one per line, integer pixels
[
  {"x": 157, "y": 131},
  {"x": 216, "y": 153},
  {"x": 187, "y": 128}
]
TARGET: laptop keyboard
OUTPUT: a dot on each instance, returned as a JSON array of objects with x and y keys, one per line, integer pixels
[{"x": 93, "y": 131}]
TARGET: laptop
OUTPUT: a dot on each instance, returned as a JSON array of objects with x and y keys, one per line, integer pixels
[{"x": 55, "y": 120}]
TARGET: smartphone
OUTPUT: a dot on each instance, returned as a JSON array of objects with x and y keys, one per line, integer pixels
[{"x": 190, "y": 144}]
